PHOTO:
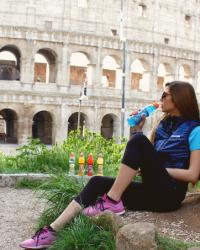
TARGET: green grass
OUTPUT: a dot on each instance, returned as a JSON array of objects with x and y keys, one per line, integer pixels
[
  {"x": 165, "y": 243},
  {"x": 84, "y": 234},
  {"x": 31, "y": 184},
  {"x": 58, "y": 191}
]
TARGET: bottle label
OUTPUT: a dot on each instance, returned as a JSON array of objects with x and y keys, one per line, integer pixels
[
  {"x": 135, "y": 119},
  {"x": 71, "y": 169}
]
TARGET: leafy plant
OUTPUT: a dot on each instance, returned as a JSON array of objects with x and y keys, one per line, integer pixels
[
  {"x": 84, "y": 234},
  {"x": 58, "y": 192},
  {"x": 95, "y": 144},
  {"x": 36, "y": 157}
]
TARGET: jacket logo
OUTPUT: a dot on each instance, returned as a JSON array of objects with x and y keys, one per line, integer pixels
[{"x": 176, "y": 136}]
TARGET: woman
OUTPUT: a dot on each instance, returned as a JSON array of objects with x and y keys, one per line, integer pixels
[{"x": 167, "y": 164}]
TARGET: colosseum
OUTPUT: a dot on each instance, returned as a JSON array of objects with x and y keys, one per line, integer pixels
[{"x": 62, "y": 63}]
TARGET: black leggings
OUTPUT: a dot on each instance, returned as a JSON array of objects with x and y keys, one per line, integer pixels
[{"x": 157, "y": 192}]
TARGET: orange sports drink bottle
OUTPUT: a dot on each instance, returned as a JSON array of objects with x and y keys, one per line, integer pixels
[
  {"x": 100, "y": 165},
  {"x": 81, "y": 162}
]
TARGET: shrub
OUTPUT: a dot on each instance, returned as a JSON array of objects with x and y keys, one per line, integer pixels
[
  {"x": 58, "y": 192},
  {"x": 95, "y": 144},
  {"x": 36, "y": 157},
  {"x": 84, "y": 234}
]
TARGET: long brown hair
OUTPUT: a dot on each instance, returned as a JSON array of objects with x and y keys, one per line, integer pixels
[{"x": 184, "y": 98}]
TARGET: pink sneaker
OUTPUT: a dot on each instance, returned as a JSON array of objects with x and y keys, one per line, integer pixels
[
  {"x": 104, "y": 204},
  {"x": 43, "y": 238}
]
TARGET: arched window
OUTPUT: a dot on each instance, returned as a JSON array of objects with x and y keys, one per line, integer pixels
[
  {"x": 42, "y": 127},
  {"x": 110, "y": 126},
  {"x": 9, "y": 63},
  {"x": 73, "y": 122},
  {"x": 79, "y": 68},
  {"x": 164, "y": 75},
  {"x": 2, "y": 129},
  {"x": 140, "y": 75},
  {"x": 110, "y": 72},
  {"x": 45, "y": 66},
  {"x": 185, "y": 73},
  {"x": 8, "y": 126},
  {"x": 41, "y": 69}
]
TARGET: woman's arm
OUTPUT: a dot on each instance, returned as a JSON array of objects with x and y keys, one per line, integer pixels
[{"x": 188, "y": 175}]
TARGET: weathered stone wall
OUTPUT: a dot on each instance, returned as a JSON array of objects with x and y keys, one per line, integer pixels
[
  {"x": 61, "y": 28},
  {"x": 162, "y": 19}
]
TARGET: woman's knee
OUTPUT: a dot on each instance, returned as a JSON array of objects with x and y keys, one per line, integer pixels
[
  {"x": 95, "y": 180},
  {"x": 100, "y": 182},
  {"x": 137, "y": 139}
]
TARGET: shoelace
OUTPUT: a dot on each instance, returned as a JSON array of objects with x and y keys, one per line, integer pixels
[
  {"x": 99, "y": 204},
  {"x": 38, "y": 233}
]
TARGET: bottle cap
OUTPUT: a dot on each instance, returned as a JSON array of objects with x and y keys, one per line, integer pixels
[{"x": 156, "y": 105}]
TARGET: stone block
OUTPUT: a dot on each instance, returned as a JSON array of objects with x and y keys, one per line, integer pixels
[
  {"x": 115, "y": 222},
  {"x": 137, "y": 236}
]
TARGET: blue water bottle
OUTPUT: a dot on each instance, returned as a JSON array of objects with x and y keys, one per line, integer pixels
[{"x": 133, "y": 120}]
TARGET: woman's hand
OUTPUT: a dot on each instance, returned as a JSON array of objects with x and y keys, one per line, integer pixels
[
  {"x": 138, "y": 128},
  {"x": 188, "y": 175}
]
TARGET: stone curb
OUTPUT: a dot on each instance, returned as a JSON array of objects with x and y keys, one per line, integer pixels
[{"x": 10, "y": 180}]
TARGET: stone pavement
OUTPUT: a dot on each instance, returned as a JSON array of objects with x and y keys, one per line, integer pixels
[{"x": 19, "y": 211}]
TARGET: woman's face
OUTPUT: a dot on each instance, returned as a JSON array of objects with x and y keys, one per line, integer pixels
[{"x": 167, "y": 104}]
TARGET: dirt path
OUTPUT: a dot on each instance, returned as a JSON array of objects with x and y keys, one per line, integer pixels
[
  {"x": 182, "y": 224},
  {"x": 19, "y": 211}
]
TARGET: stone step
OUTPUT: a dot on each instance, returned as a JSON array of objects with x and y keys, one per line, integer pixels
[{"x": 10, "y": 180}]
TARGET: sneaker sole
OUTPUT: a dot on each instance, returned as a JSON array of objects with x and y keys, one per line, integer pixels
[
  {"x": 38, "y": 247},
  {"x": 93, "y": 215},
  {"x": 117, "y": 213},
  {"x": 120, "y": 213}
]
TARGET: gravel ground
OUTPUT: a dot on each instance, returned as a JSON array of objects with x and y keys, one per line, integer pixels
[
  {"x": 182, "y": 224},
  {"x": 19, "y": 211}
]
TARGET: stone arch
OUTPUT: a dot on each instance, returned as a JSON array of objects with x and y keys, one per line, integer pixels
[
  {"x": 110, "y": 126},
  {"x": 45, "y": 69},
  {"x": 42, "y": 126},
  {"x": 110, "y": 71},
  {"x": 114, "y": 54},
  {"x": 80, "y": 68},
  {"x": 73, "y": 122},
  {"x": 10, "y": 60},
  {"x": 9, "y": 118},
  {"x": 140, "y": 75},
  {"x": 185, "y": 73},
  {"x": 164, "y": 75}
]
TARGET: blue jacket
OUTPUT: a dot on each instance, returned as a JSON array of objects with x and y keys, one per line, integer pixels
[{"x": 171, "y": 141}]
